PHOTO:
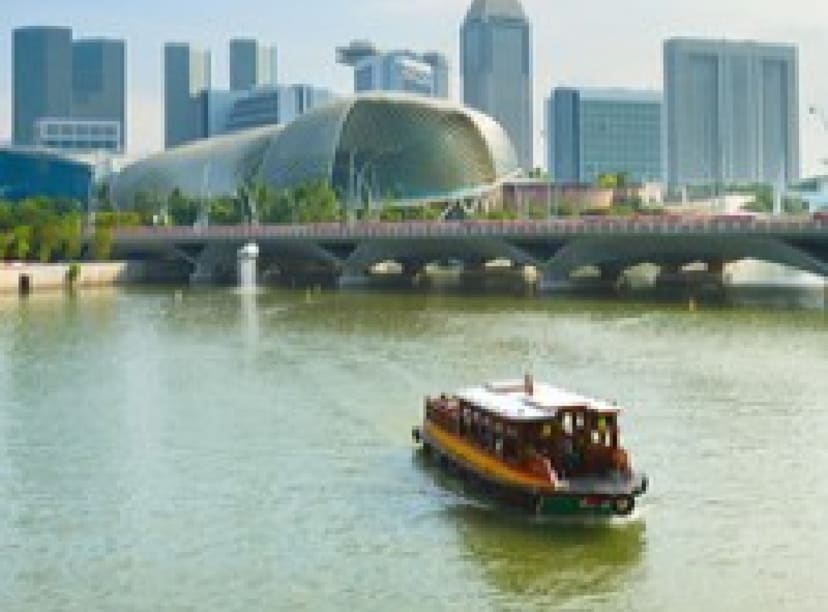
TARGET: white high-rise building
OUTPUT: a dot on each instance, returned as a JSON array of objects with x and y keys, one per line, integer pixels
[{"x": 731, "y": 112}]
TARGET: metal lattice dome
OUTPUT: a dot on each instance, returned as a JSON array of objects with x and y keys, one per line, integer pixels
[{"x": 392, "y": 146}]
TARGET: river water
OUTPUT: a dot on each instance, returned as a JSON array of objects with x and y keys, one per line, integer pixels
[{"x": 207, "y": 450}]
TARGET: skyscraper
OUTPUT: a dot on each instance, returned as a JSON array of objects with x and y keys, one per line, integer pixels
[
  {"x": 591, "y": 132},
  {"x": 68, "y": 95},
  {"x": 406, "y": 71},
  {"x": 732, "y": 112},
  {"x": 99, "y": 81},
  {"x": 252, "y": 66},
  {"x": 186, "y": 76},
  {"x": 496, "y": 64},
  {"x": 42, "y": 81}
]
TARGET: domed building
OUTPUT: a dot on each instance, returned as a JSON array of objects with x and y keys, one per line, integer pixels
[{"x": 375, "y": 147}]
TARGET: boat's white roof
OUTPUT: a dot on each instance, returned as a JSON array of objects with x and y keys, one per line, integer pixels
[{"x": 511, "y": 400}]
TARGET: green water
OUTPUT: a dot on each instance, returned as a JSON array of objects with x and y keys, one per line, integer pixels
[{"x": 212, "y": 451}]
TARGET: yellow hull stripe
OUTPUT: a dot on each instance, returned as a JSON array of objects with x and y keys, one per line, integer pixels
[{"x": 483, "y": 463}]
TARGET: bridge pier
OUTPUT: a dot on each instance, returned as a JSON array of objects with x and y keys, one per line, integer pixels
[
  {"x": 550, "y": 281},
  {"x": 214, "y": 265}
]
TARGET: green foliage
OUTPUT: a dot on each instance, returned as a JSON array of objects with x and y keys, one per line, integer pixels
[
  {"x": 73, "y": 273},
  {"x": 612, "y": 180},
  {"x": 498, "y": 215},
  {"x": 147, "y": 206},
  {"x": 316, "y": 203},
  {"x": 102, "y": 243},
  {"x": 22, "y": 244},
  {"x": 7, "y": 220},
  {"x": 396, "y": 214},
  {"x": 117, "y": 219},
  {"x": 48, "y": 238},
  {"x": 41, "y": 227},
  {"x": 182, "y": 210},
  {"x": 72, "y": 236},
  {"x": 226, "y": 211},
  {"x": 569, "y": 207},
  {"x": 538, "y": 210},
  {"x": 275, "y": 207},
  {"x": 390, "y": 214},
  {"x": 6, "y": 240}
]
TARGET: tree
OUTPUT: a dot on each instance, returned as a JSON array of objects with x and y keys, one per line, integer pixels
[
  {"x": 7, "y": 221},
  {"x": 48, "y": 239},
  {"x": 182, "y": 210},
  {"x": 146, "y": 206},
  {"x": 22, "y": 244},
  {"x": 390, "y": 214},
  {"x": 71, "y": 232},
  {"x": 275, "y": 206},
  {"x": 6, "y": 240},
  {"x": 316, "y": 203},
  {"x": 226, "y": 211},
  {"x": 102, "y": 243}
]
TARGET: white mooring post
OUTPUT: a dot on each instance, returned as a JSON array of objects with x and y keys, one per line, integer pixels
[{"x": 248, "y": 257}]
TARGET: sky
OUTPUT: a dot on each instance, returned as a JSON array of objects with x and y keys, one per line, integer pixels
[{"x": 602, "y": 43}]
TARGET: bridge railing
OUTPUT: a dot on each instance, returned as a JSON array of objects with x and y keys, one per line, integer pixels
[{"x": 657, "y": 225}]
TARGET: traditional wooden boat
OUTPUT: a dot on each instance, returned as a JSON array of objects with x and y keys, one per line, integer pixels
[{"x": 534, "y": 447}]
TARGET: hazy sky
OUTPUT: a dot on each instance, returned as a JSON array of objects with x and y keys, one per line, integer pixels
[{"x": 576, "y": 42}]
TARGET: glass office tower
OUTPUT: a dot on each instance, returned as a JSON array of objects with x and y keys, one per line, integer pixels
[
  {"x": 42, "y": 80},
  {"x": 99, "y": 82},
  {"x": 732, "y": 112},
  {"x": 496, "y": 64},
  {"x": 186, "y": 76},
  {"x": 59, "y": 80},
  {"x": 252, "y": 66},
  {"x": 591, "y": 132}
]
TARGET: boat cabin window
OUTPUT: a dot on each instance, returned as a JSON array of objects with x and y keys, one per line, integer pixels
[{"x": 568, "y": 424}]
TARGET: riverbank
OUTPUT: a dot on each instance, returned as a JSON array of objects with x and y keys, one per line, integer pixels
[{"x": 25, "y": 277}]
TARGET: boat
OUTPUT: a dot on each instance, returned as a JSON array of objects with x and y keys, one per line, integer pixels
[{"x": 535, "y": 448}]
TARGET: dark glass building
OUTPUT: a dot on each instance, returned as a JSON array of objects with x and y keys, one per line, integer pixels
[
  {"x": 42, "y": 80},
  {"x": 58, "y": 80},
  {"x": 252, "y": 66},
  {"x": 186, "y": 77},
  {"x": 29, "y": 173},
  {"x": 99, "y": 81}
]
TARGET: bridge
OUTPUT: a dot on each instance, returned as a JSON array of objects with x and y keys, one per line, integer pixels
[{"x": 556, "y": 247}]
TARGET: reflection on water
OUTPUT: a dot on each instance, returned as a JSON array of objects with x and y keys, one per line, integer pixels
[{"x": 549, "y": 562}]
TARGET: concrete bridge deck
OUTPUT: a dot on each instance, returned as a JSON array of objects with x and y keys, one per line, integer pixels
[{"x": 556, "y": 247}]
